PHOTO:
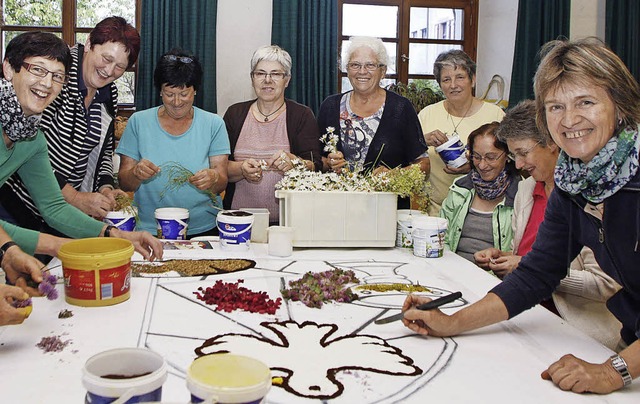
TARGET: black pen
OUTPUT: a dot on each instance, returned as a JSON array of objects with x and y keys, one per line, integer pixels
[{"x": 424, "y": 306}]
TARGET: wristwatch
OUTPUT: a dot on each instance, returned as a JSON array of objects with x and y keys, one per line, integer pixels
[
  {"x": 4, "y": 249},
  {"x": 621, "y": 367}
]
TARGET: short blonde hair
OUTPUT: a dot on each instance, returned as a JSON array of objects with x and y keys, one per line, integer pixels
[{"x": 589, "y": 62}]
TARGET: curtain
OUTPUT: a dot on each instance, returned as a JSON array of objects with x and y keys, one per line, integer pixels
[
  {"x": 622, "y": 32},
  {"x": 308, "y": 30},
  {"x": 539, "y": 21},
  {"x": 190, "y": 25}
]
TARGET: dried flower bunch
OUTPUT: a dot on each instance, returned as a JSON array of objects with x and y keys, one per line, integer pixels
[
  {"x": 313, "y": 289},
  {"x": 178, "y": 176},
  {"x": 47, "y": 288}
]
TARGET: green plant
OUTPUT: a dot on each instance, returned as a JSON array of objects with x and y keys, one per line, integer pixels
[{"x": 420, "y": 92}]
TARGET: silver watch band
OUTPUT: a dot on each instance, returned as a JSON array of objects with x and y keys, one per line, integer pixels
[{"x": 621, "y": 367}]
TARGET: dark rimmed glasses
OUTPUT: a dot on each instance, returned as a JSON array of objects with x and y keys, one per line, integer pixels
[
  {"x": 182, "y": 59},
  {"x": 262, "y": 75},
  {"x": 40, "y": 71}
]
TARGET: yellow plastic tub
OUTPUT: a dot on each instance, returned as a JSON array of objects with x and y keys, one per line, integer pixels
[{"x": 97, "y": 271}]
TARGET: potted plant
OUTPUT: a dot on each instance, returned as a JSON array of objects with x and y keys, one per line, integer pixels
[{"x": 420, "y": 92}]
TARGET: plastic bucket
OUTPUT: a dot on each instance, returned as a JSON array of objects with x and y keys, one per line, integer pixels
[
  {"x": 172, "y": 223},
  {"x": 452, "y": 152},
  {"x": 235, "y": 229},
  {"x": 428, "y": 236},
  {"x": 123, "y": 219},
  {"x": 134, "y": 375},
  {"x": 404, "y": 227},
  {"x": 228, "y": 378},
  {"x": 97, "y": 271}
]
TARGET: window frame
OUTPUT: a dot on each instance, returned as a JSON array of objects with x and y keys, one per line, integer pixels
[
  {"x": 468, "y": 42},
  {"x": 69, "y": 29}
]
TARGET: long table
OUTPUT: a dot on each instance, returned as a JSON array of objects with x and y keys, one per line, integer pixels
[{"x": 333, "y": 354}]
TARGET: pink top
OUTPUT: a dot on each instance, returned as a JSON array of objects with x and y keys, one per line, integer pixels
[
  {"x": 537, "y": 215},
  {"x": 260, "y": 140}
]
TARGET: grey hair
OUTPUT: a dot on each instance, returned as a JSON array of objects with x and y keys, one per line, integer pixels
[
  {"x": 519, "y": 123},
  {"x": 454, "y": 58},
  {"x": 375, "y": 44},
  {"x": 272, "y": 53}
]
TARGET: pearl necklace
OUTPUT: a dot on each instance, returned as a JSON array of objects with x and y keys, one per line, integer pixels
[{"x": 266, "y": 116}]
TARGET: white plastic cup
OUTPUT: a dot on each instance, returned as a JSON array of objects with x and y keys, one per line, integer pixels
[
  {"x": 428, "y": 236},
  {"x": 452, "y": 152},
  {"x": 228, "y": 379},
  {"x": 404, "y": 227},
  {"x": 120, "y": 365},
  {"x": 124, "y": 220},
  {"x": 172, "y": 223},
  {"x": 260, "y": 224},
  {"x": 235, "y": 229},
  {"x": 280, "y": 241}
]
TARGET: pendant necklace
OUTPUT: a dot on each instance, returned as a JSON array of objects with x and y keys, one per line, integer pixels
[
  {"x": 455, "y": 127},
  {"x": 266, "y": 117}
]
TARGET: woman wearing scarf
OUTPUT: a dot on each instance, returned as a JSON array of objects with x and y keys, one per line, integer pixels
[
  {"x": 33, "y": 73},
  {"x": 479, "y": 205},
  {"x": 588, "y": 101}
]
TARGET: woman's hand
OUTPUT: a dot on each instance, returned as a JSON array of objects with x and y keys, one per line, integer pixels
[
  {"x": 21, "y": 267},
  {"x": 571, "y": 373},
  {"x": 425, "y": 322},
  {"x": 504, "y": 265},
  {"x": 282, "y": 161},
  {"x": 112, "y": 193},
  {"x": 335, "y": 161},
  {"x": 205, "y": 179},
  {"x": 9, "y": 315},
  {"x": 143, "y": 242},
  {"x": 252, "y": 169},
  {"x": 484, "y": 257},
  {"x": 435, "y": 138},
  {"x": 463, "y": 169},
  {"x": 144, "y": 170}
]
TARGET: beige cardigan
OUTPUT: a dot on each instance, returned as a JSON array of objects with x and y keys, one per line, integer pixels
[{"x": 581, "y": 296}]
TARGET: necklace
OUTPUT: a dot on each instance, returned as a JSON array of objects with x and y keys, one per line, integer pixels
[
  {"x": 266, "y": 116},
  {"x": 455, "y": 127}
]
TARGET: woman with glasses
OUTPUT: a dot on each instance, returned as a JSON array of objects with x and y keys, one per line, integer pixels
[
  {"x": 376, "y": 129},
  {"x": 580, "y": 297},
  {"x": 457, "y": 115},
  {"x": 78, "y": 126},
  {"x": 175, "y": 155},
  {"x": 479, "y": 206},
  {"x": 587, "y": 100},
  {"x": 33, "y": 71},
  {"x": 268, "y": 135}
]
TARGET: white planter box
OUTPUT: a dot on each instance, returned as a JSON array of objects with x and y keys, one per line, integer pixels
[{"x": 339, "y": 219}]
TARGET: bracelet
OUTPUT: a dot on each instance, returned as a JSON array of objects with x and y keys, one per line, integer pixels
[
  {"x": 620, "y": 366},
  {"x": 4, "y": 249},
  {"x": 107, "y": 231}
]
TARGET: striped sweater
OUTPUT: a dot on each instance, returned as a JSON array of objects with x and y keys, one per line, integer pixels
[{"x": 80, "y": 142}]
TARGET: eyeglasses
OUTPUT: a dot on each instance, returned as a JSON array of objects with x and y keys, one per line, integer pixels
[
  {"x": 369, "y": 66},
  {"x": 262, "y": 75},
  {"x": 40, "y": 71},
  {"x": 522, "y": 153},
  {"x": 182, "y": 59},
  {"x": 489, "y": 158}
]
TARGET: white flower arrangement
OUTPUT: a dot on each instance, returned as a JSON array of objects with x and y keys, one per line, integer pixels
[{"x": 330, "y": 140}]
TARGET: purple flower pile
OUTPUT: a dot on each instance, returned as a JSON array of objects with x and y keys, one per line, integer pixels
[{"x": 313, "y": 289}]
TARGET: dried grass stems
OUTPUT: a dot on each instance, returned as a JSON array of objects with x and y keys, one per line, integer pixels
[
  {"x": 124, "y": 203},
  {"x": 178, "y": 176}
]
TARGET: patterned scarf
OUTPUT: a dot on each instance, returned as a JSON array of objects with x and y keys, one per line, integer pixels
[
  {"x": 16, "y": 125},
  {"x": 490, "y": 190},
  {"x": 611, "y": 169}
]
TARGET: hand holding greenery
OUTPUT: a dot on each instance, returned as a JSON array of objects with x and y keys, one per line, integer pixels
[{"x": 178, "y": 176}]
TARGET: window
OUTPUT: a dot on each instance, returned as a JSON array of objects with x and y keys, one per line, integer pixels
[
  {"x": 414, "y": 32},
  {"x": 57, "y": 17}
]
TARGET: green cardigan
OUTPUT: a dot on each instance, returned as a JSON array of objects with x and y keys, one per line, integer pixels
[
  {"x": 456, "y": 206},
  {"x": 30, "y": 159}
]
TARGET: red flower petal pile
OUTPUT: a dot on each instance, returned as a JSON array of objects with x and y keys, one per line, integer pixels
[{"x": 229, "y": 296}]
